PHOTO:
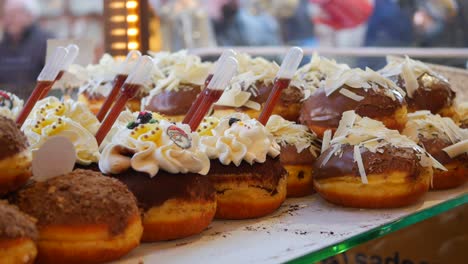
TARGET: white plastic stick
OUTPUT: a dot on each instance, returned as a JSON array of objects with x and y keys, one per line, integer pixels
[
  {"x": 53, "y": 65},
  {"x": 141, "y": 72},
  {"x": 129, "y": 63},
  {"x": 223, "y": 74},
  {"x": 73, "y": 51},
  {"x": 290, "y": 63},
  {"x": 226, "y": 54}
]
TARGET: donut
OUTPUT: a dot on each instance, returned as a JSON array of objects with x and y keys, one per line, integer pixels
[
  {"x": 435, "y": 134},
  {"x": 15, "y": 157},
  {"x": 18, "y": 235},
  {"x": 425, "y": 89},
  {"x": 10, "y": 105},
  {"x": 173, "y": 104},
  {"x": 82, "y": 217},
  {"x": 299, "y": 149},
  {"x": 94, "y": 101},
  {"x": 369, "y": 166},
  {"x": 365, "y": 92},
  {"x": 250, "y": 89},
  {"x": 160, "y": 163},
  {"x": 181, "y": 78},
  {"x": 172, "y": 206},
  {"x": 245, "y": 169}
]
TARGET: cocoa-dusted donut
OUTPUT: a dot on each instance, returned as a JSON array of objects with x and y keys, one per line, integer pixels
[
  {"x": 82, "y": 217},
  {"x": 437, "y": 135},
  {"x": 369, "y": 166},
  {"x": 366, "y": 92},
  {"x": 160, "y": 163},
  {"x": 299, "y": 149},
  {"x": 18, "y": 235},
  {"x": 425, "y": 89},
  {"x": 15, "y": 157}
]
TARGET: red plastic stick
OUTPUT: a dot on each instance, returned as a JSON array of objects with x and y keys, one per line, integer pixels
[
  {"x": 197, "y": 101},
  {"x": 129, "y": 90},
  {"x": 118, "y": 83},
  {"x": 41, "y": 86},
  {"x": 207, "y": 98},
  {"x": 279, "y": 86}
]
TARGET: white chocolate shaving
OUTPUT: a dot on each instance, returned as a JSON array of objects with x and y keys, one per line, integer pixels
[
  {"x": 457, "y": 149},
  {"x": 358, "y": 160},
  {"x": 326, "y": 140},
  {"x": 351, "y": 95}
]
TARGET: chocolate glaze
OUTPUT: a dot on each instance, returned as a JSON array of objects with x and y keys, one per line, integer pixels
[
  {"x": 15, "y": 224},
  {"x": 264, "y": 176},
  {"x": 375, "y": 104},
  {"x": 392, "y": 159},
  {"x": 433, "y": 93},
  {"x": 152, "y": 192},
  {"x": 289, "y": 156},
  {"x": 82, "y": 197},
  {"x": 434, "y": 147},
  {"x": 155, "y": 191},
  {"x": 290, "y": 95},
  {"x": 12, "y": 139},
  {"x": 174, "y": 102}
]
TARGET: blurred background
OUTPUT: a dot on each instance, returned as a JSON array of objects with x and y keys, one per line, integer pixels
[{"x": 117, "y": 26}]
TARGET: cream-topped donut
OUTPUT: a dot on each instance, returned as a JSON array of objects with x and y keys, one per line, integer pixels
[
  {"x": 245, "y": 169},
  {"x": 10, "y": 105}
]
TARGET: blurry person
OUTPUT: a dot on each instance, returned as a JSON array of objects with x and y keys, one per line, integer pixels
[
  {"x": 235, "y": 26},
  {"x": 442, "y": 23},
  {"x": 390, "y": 25},
  {"x": 185, "y": 24},
  {"x": 23, "y": 47}
]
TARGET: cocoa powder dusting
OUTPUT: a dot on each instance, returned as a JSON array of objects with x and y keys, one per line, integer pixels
[
  {"x": 16, "y": 224},
  {"x": 82, "y": 197},
  {"x": 12, "y": 140}
]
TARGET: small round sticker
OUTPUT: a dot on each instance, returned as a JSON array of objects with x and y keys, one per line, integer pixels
[{"x": 179, "y": 137}]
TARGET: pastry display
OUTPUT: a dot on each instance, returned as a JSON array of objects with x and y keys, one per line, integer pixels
[
  {"x": 70, "y": 119},
  {"x": 299, "y": 149},
  {"x": 182, "y": 77},
  {"x": 245, "y": 168},
  {"x": 82, "y": 217},
  {"x": 10, "y": 105},
  {"x": 249, "y": 90},
  {"x": 446, "y": 142},
  {"x": 160, "y": 162},
  {"x": 425, "y": 89},
  {"x": 15, "y": 157},
  {"x": 18, "y": 235},
  {"x": 367, "y": 165},
  {"x": 99, "y": 82},
  {"x": 366, "y": 92}
]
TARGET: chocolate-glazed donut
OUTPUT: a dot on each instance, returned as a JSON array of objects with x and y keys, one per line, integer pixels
[{"x": 321, "y": 112}]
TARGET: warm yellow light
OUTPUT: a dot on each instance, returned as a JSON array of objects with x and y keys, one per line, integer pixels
[
  {"x": 133, "y": 45},
  {"x": 132, "y": 31},
  {"x": 120, "y": 57},
  {"x": 132, "y": 4},
  {"x": 117, "y": 19},
  {"x": 117, "y": 5},
  {"x": 132, "y": 18},
  {"x": 119, "y": 45},
  {"x": 118, "y": 32}
]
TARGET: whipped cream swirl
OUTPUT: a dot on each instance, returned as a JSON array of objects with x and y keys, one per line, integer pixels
[
  {"x": 153, "y": 146},
  {"x": 238, "y": 138},
  {"x": 10, "y": 105}
]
